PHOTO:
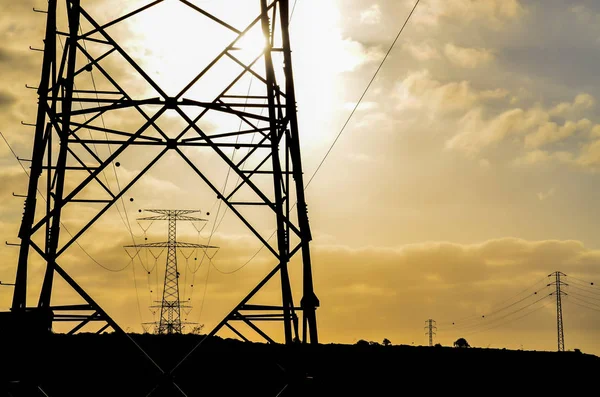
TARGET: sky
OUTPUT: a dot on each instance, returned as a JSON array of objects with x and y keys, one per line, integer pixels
[{"x": 466, "y": 176}]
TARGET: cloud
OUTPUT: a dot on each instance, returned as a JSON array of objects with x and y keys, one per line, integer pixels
[
  {"x": 586, "y": 15},
  {"x": 468, "y": 57},
  {"x": 477, "y": 132},
  {"x": 348, "y": 55},
  {"x": 361, "y": 158},
  {"x": 551, "y": 132},
  {"x": 589, "y": 156},
  {"x": 420, "y": 90},
  {"x": 6, "y": 99},
  {"x": 542, "y": 156},
  {"x": 545, "y": 195},
  {"x": 423, "y": 52},
  {"x": 383, "y": 286},
  {"x": 364, "y": 106},
  {"x": 491, "y": 13},
  {"x": 5, "y": 55},
  {"x": 371, "y": 16},
  {"x": 581, "y": 102},
  {"x": 11, "y": 180},
  {"x": 458, "y": 280}
]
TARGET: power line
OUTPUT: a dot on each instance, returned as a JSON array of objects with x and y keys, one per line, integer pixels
[
  {"x": 475, "y": 330},
  {"x": 126, "y": 220},
  {"x": 251, "y": 141},
  {"x": 490, "y": 316},
  {"x": 583, "y": 300},
  {"x": 363, "y": 94},
  {"x": 584, "y": 287},
  {"x": 215, "y": 225},
  {"x": 477, "y": 316},
  {"x": 512, "y": 320},
  {"x": 341, "y": 130},
  {"x": 583, "y": 281},
  {"x": 587, "y": 307},
  {"x": 62, "y": 224},
  {"x": 583, "y": 295},
  {"x": 487, "y": 321},
  {"x": 103, "y": 172},
  {"x": 238, "y": 179}
]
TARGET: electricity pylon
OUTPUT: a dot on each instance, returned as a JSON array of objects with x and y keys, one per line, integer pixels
[
  {"x": 170, "y": 306},
  {"x": 559, "y": 317},
  {"x": 430, "y": 327},
  {"x": 63, "y": 151},
  {"x": 76, "y": 114}
]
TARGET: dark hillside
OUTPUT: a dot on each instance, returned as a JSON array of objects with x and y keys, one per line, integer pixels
[{"x": 89, "y": 365}]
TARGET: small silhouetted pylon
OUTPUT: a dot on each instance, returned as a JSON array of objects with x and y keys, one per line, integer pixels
[
  {"x": 170, "y": 306},
  {"x": 430, "y": 327},
  {"x": 559, "y": 319}
]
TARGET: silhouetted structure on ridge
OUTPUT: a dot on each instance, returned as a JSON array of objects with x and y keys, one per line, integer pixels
[
  {"x": 67, "y": 132},
  {"x": 430, "y": 327},
  {"x": 559, "y": 317},
  {"x": 170, "y": 306}
]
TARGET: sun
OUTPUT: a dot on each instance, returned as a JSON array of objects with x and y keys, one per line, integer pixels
[
  {"x": 252, "y": 43},
  {"x": 174, "y": 42}
]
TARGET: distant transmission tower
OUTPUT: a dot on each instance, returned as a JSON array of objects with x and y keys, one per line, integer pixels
[
  {"x": 430, "y": 327},
  {"x": 170, "y": 305},
  {"x": 559, "y": 319}
]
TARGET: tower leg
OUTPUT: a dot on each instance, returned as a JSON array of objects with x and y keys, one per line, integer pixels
[
  {"x": 20, "y": 293},
  {"x": 309, "y": 302}
]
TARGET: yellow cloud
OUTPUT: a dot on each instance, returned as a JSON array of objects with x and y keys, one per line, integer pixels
[
  {"x": 446, "y": 281},
  {"x": 542, "y": 156},
  {"x": 581, "y": 102},
  {"x": 423, "y": 51},
  {"x": 371, "y": 16},
  {"x": 492, "y": 13},
  {"x": 421, "y": 90},
  {"x": 551, "y": 132},
  {"x": 468, "y": 57},
  {"x": 476, "y": 132}
]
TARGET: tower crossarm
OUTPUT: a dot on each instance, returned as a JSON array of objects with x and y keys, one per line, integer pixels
[
  {"x": 172, "y": 212},
  {"x": 175, "y": 216},
  {"x": 166, "y": 244}
]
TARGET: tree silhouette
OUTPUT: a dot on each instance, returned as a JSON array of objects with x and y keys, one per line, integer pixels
[
  {"x": 386, "y": 342},
  {"x": 461, "y": 342}
]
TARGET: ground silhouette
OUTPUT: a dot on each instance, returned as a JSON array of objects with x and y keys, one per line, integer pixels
[{"x": 93, "y": 365}]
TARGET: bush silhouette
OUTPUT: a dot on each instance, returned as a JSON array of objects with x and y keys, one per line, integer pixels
[{"x": 461, "y": 342}]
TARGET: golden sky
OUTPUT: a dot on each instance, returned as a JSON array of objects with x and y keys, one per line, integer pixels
[{"x": 466, "y": 176}]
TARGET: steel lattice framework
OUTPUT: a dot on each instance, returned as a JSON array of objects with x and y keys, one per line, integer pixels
[
  {"x": 558, "y": 283},
  {"x": 430, "y": 330},
  {"x": 170, "y": 305},
  {"x": 67, "y": 169}
]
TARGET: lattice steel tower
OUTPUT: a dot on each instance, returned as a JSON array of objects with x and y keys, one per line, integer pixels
[
  {"x": 74, "y": 117},
  {"x": 170, "y": 306},
  {"x": 430, "y": 327},
  {"x": 559, "y": 317}
]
